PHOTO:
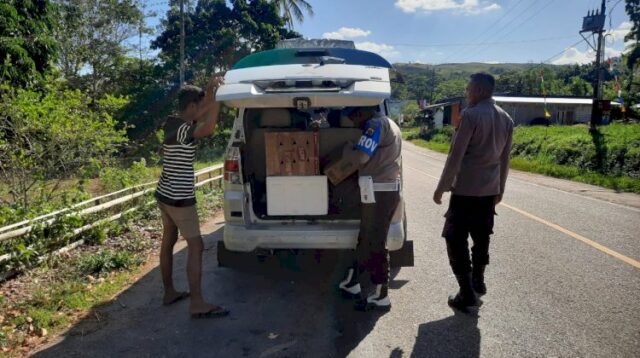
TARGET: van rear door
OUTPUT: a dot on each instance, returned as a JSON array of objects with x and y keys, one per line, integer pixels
[{"x": 307, "y": 77}]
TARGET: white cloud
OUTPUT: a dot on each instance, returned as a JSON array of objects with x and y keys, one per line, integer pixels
[
  {"x": 465, "y": 6},
  {"x": 619, "y": 33},
  {"x": 615, "y": 37},
  {"x": 346, "y": 33},
  {"x": 575, "y": 56},
  {"x": 387, "y": 51}
]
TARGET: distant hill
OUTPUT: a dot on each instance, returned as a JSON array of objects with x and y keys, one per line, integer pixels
[{"x": 465, "y": 69}]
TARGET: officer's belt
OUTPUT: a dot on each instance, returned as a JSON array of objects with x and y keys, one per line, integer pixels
[{"x": 394, "y": 186}]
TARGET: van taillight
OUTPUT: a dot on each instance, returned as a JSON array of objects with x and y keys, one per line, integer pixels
[{"x": 232, "y": 171}]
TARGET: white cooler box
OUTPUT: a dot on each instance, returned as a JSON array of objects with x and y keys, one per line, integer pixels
[{"x": 297, "y": 195}]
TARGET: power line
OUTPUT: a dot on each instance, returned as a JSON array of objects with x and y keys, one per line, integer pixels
[
  {"x": 503, "y": 27},
  {"x": 563, "y": 51},
  {"x": 520, "y": 24},
  {"x": 487, "y": 43},
  {"x": 487, "y": 29}
]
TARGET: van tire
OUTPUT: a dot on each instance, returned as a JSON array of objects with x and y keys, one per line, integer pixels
[
  {"x": 403, "y": 257},
  {"x": 228, "y": 258}
]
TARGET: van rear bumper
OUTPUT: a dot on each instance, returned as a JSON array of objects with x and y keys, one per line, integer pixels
[{"x": 249, "y": 238}]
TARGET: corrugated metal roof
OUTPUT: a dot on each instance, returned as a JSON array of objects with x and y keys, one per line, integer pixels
[{"x": 550, "y": 100}]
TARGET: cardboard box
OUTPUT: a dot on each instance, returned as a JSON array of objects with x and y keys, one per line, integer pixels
[
  {"x": 292, "y": 153},
  {"x": 341, "y": 164},
  {"x": 311, "y": 194}
]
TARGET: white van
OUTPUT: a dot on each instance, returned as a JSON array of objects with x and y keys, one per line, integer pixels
[{"x": 280, "y": 90}]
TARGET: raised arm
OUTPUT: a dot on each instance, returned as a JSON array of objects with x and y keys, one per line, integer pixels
[{"x": 209, "y": 109}]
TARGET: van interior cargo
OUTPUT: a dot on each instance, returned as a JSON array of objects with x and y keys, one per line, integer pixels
[{"x": 343, "y": 199}]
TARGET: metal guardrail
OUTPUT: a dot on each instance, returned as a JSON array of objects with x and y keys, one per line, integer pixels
[{"x": 210, "y": 175}]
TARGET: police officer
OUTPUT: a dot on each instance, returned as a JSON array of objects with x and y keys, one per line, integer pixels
[
  {"x": 379, "y": 153},
  {"x": 476, "y": 174}
]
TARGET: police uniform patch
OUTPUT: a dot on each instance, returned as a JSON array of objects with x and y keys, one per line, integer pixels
[{"x": 370, "y": 138}]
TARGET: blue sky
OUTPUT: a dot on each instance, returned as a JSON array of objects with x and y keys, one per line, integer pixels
[{"x": 437, "y": 31}]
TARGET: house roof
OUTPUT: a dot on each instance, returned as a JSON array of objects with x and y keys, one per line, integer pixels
[{"x": 550, "y": 100}]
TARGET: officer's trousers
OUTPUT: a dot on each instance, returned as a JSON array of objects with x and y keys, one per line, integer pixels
[
  {"x": 468, "y": 215},
  {"x": 371, "y": 253}
]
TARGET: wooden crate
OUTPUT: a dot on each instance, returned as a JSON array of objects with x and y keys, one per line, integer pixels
[{"x": 292, "y": 153}]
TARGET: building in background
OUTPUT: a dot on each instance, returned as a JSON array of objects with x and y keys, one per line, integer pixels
[
  {"x": 523, "y": 110},
  {"x": 531, "y": 110}
]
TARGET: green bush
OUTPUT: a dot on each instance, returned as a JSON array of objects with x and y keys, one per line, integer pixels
[
  {"x": 107, "y": 261},
  {"x": 609, "y": 157},
  {"x": 614, "y": 150},
  {"x": 51, "y": 137},
  {"x": 115, "y": 178}
]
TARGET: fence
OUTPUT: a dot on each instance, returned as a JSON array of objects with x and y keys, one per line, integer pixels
[{"x": 211, "y": 176}]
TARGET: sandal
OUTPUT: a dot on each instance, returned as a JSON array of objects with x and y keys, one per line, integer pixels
[
  {"x": 179, "y": 297},
  {"x": 213, "y": 313}
]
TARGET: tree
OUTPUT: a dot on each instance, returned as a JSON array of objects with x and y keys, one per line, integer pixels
[
  {"x": 92, "y": 35},
  {"x": 217, "y": 36},
  {"x": 27, "y": 46},
  {"x": 410, "y": 110},
  {"x": 580, "y": 87},
  {"x": 633, "y": 10},
  {"x": 45, "y": 139},
  {"x": 290, "y": 9},
  {"x": 450, "y": 88}
]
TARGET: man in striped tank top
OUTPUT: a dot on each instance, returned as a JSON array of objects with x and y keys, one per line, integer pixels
[{"x": 198, "y": 115}]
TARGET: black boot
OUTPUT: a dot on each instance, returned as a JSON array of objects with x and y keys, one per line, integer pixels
[
  {"x": 378, "y": 300},
  {"x": 465, "y": 298},
  {"x": 477, "y": 279}
]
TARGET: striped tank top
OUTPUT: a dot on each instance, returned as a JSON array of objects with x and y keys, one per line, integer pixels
[{"x": 176, "y": 184}]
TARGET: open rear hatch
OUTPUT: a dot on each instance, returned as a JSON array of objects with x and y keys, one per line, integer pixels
[
  {"x": 323, "y": 77},
  {"x": 290, "y": 81}
]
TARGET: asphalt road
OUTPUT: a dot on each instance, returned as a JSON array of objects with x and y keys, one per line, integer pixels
[{"x": 564, "y": 281}]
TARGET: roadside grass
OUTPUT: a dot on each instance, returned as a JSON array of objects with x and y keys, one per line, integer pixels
[
  {"x": 54, "y": 303},
  {"x": 610, "y": 159},
  {"x": 64, "y": 289}
]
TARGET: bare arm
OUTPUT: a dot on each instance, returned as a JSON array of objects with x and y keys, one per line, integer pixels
[{"x": 209, "y": 110}]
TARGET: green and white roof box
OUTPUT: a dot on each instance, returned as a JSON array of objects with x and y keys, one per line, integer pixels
[{"x": 321, "y": 77}]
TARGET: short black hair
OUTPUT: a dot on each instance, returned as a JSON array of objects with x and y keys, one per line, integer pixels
[
  {"x": 189, "y": 94},
  {"x": 484, "y": 80}
]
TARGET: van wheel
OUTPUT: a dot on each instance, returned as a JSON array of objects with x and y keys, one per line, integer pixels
[
  {"x": 403, "y": 257},
  {"x": 228, "y": 258},
  {"x": 404, "y": 226}
]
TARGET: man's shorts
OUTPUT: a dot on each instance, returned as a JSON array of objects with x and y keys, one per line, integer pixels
[{"x": 185, "y": 219}]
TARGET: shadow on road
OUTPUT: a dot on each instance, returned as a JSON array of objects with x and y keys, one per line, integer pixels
[
  {"x": 287, "y": 306},
  {"x": 454, "y": 336}
]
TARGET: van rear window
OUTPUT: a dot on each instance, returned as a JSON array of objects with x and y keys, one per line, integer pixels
[{"x": 292, "y": 56}]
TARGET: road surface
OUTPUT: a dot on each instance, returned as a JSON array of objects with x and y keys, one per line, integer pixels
[{"x": 564, "y": 281}]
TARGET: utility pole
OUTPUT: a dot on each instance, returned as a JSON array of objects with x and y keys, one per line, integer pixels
[
  {"x": 181, "y": 43},
  {"x": 594, "y": 23},
  {"x": 433, "y": 83}
]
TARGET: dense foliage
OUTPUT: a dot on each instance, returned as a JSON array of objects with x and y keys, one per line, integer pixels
[
  {"x": 27, "y": 46},
  {"x": 609, "y": 157},
  {"x": 435, "y": 83},
  {"x": 45, "y": 139}
]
